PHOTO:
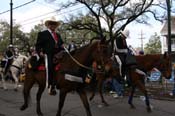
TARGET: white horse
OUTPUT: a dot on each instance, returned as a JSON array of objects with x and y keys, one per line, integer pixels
[{"x": 15, "y": 69}]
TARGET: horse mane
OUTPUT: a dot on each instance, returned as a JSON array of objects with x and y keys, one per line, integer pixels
[{"x": 78, "y": 50}]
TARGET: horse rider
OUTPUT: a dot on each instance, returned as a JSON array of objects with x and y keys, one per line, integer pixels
[
  {"x": 9, "y": 55},
  {"x": 121, "y": 50},
  {"x": 49, "y": 42}
]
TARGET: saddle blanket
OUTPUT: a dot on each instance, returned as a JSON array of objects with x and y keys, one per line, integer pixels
[
  {"x": 73, "y": 78},
  {"x": 43, "y": 68}
]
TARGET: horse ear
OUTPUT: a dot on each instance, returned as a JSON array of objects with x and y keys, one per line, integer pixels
[{"x": 103, "y": 39}]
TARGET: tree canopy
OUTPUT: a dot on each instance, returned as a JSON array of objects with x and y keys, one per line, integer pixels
[
  {"x": 108, "y": 17},
  {"x": 154, "y": 45}
]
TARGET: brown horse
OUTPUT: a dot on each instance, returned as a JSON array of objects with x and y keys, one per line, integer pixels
[
  {"x": 147, "y": 62},
  {"x": 75, "y": 63}
]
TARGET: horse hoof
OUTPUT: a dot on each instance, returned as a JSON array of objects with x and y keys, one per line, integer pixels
[
  {"x": 90, "y": 99},
  {"x": 105, "y": 104},
  {"x": 15, "y": 89},
  {"x": 149, "y": 110},
  {"x": 132, "y": 107},
  {"x": 5, "y": 89},
  {"x": 40, "y": 114},
  {"x": 23, "y": 107}
]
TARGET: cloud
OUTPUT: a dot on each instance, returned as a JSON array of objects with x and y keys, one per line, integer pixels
[{"x": 32, "y": 16}]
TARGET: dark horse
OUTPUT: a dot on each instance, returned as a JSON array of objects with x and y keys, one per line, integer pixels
[
  {"x": 146, "y": 63},
  {"x": 75, "y": 63}
]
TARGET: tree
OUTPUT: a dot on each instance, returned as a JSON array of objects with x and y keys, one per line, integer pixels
[
  {"x": 154, "y": 45},
  {"x": 109, "y": 17},
  {"x": 68, "y": 33},
  {"x": 34, "y": 33},
  {"x": 19, "y": 38}
]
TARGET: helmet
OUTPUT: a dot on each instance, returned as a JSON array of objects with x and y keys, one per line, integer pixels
[
  {"x": 141, "y": 52},
  {"x": 10, "y": 46}
]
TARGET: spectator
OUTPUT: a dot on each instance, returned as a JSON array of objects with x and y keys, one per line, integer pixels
[
  {"x": 116, "y": 87},
  {"x": 72, "y": 46},
  {"x": 141, "y": 52}
]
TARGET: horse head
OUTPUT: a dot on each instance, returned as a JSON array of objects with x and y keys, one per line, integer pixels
[{"x": 102, "y": 51}]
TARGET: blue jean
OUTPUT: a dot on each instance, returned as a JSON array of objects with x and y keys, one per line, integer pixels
[
  {"x": 118, "y": 87},
  {"x": 173, "y": 91}
]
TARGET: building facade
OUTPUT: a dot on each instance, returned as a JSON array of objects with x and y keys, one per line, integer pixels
[{"x": 164, "y": 33}]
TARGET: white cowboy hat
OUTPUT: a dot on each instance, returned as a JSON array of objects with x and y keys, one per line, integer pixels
[
  {"x": 52, "y": 21},
  {"x": 125, "y": 33}
]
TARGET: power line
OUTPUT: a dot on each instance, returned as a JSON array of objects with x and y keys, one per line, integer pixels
[
  {"x": 18, "y": 6},
  {"x": 57, "y": 10},
  {"x": 46, "y": 5},
  {"x": 40, "y": 16},
  {"x": 50, "y": 16}
]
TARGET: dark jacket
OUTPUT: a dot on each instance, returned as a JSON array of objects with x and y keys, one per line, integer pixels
[
  {"x": 46, "y": 43},
  {"x": 9, "y": 54},
  {"x": 121, "y": 42}
]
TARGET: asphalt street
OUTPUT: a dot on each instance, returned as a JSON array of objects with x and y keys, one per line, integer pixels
[{"x": 10, "y": 102}]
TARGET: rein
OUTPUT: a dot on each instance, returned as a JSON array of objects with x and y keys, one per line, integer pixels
[{"x": 76, "y": 61}]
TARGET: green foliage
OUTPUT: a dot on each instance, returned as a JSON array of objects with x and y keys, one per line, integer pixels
[
  {"x": 154, "y": 45},
  {"x": 18, "y": 35},
  {"x": 34, "y": 33}
]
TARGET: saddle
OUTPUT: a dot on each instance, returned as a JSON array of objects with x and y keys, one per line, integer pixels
[
  {"x": 130, "y": 60},
  {"x": 39, "y": 65}
]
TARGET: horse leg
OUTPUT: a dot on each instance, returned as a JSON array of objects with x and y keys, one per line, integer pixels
[
  {"x": 28, "y": 83},
  {"x": 14, "y": 76},
  {"x": 100, "y": 84},
  {"x": 131, "y": 97},
  {"x": 84, "y": 99},
  {"x": 38, "y": 98},
  {"x": 3, "y": 82},
  {"x": 93, "y": 86},
  {"x": 63, "y": 94},
  {"x": 142, "y": 88},
  {"x": 92, "y": 95}
]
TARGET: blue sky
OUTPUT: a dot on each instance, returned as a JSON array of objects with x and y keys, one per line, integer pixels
[{"x": 40, "y": 7}]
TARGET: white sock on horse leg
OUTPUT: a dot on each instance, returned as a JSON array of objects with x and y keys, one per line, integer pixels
[
  {"x": 120, "y": 64},
  {"x": 140, "y": 72}
]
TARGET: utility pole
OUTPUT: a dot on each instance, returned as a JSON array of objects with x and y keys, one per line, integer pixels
[
  {"x": 11, "y": 22},
  {"x": 141, "y": 38},
  {"x": 169, "y": 25}
]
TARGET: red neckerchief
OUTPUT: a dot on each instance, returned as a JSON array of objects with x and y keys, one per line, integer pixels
[{"x": 55, "y": 36}]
